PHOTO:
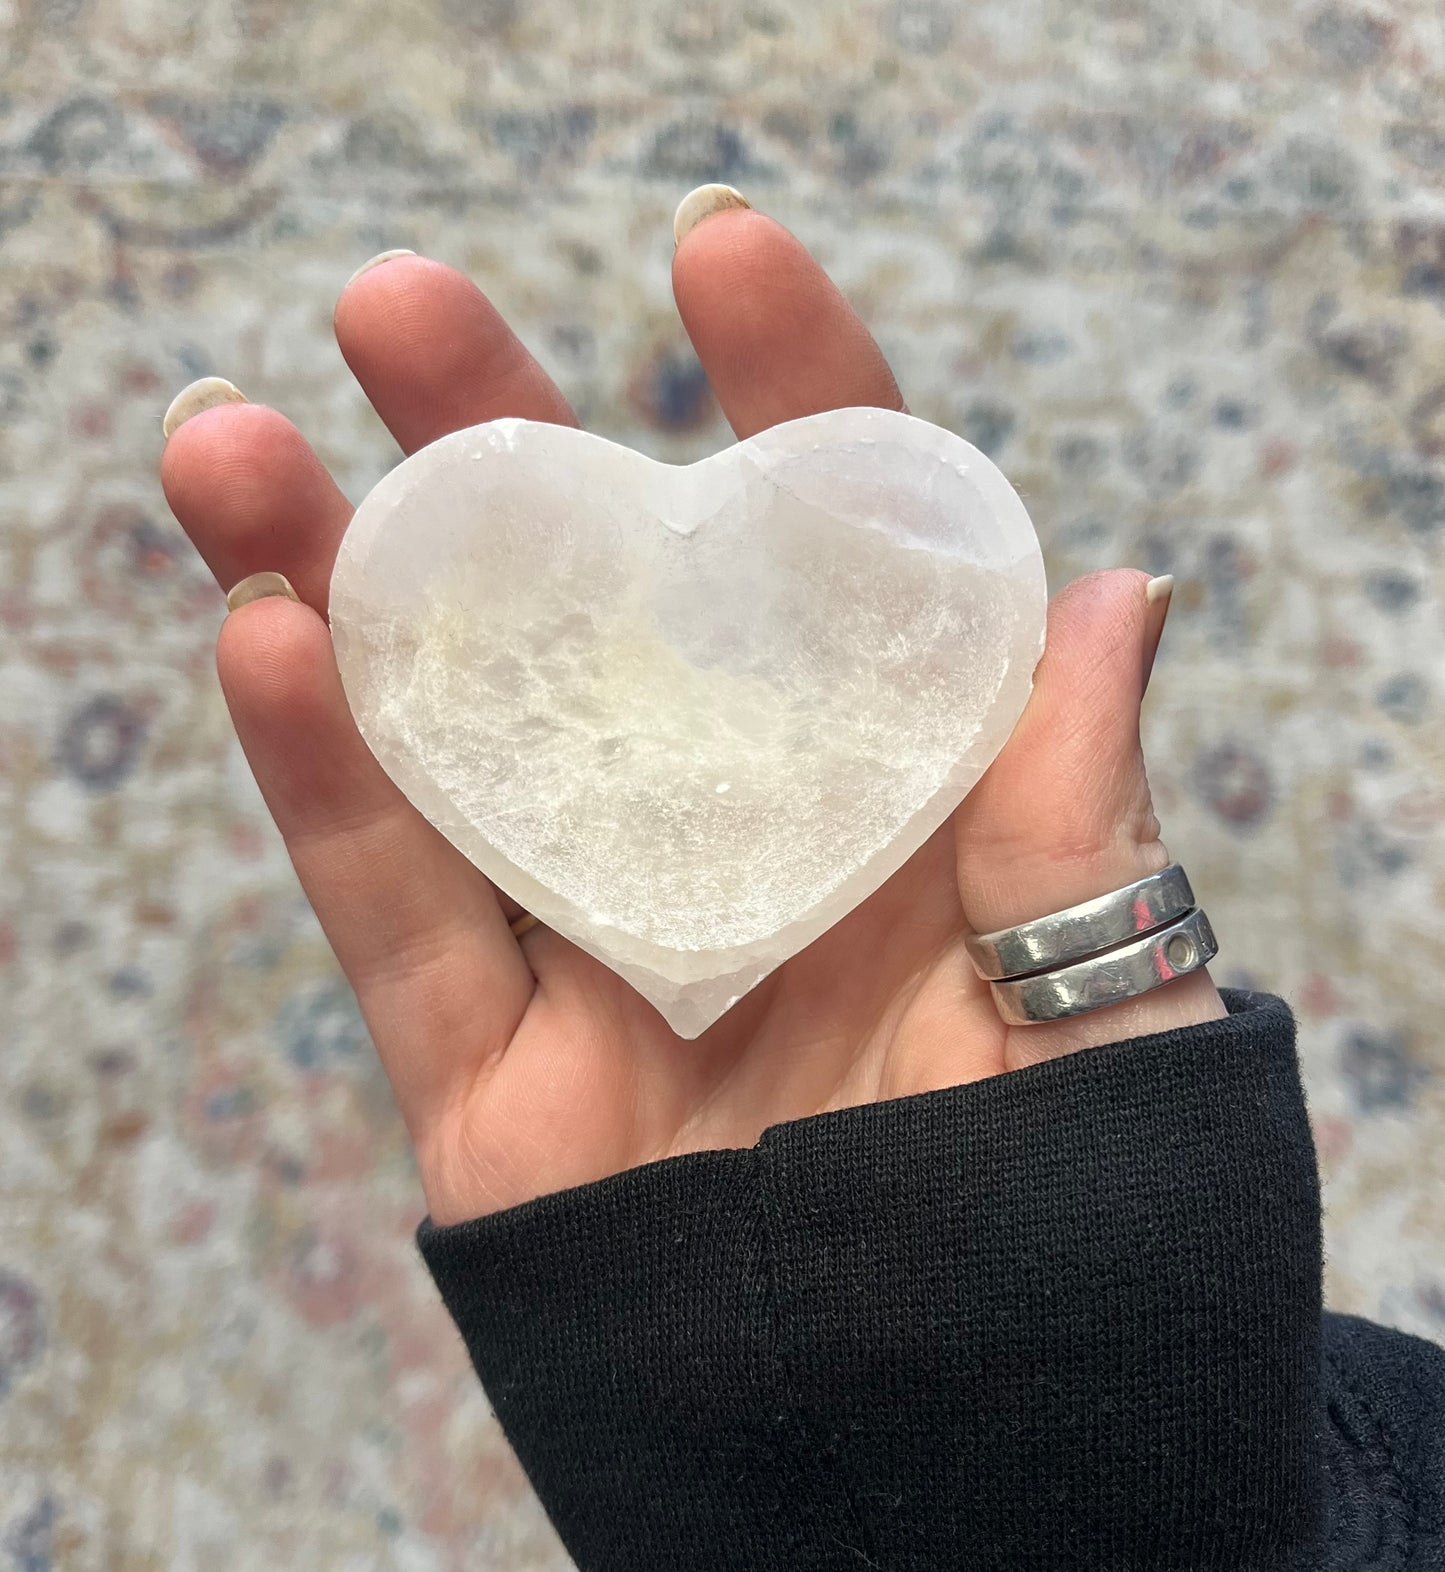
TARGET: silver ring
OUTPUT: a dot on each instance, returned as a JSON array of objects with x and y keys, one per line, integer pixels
[
  {"x": 1083, "y": 930},
  {"x": 1121, "y": 973}
]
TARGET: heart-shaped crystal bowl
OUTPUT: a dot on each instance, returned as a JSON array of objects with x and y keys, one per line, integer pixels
[{"x": 690, "y": 716}]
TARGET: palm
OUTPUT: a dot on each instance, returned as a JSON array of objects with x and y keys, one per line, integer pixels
[
  {"x": 595, "y": 1081},
  {"x": 524, "y": 1067}
]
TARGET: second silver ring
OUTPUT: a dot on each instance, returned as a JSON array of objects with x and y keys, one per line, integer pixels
[
  {"x": 1122, "y": 973},
  {"x": 1080, "y": 931}
]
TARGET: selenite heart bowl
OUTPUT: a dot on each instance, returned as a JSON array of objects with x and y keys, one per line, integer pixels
[{"x": 690, "y": 716}]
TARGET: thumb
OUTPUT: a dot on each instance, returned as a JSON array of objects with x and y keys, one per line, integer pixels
[{"x": 1064, "y": 814}]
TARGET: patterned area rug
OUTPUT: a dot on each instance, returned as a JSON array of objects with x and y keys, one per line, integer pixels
[{"x": 1179, "y": 269}]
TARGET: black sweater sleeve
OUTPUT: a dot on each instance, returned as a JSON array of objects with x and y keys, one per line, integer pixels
[{"x": 1065, "y": 1318}]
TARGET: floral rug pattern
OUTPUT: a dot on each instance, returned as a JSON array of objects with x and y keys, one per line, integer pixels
[{"x": 1179, "y": 269}]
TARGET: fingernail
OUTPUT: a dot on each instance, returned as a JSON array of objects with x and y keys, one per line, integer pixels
[
  {"x": 703, "y": 203},
  {"x": 1158, "y": 594},
  {"x": 376, "y": 261},
  {"x": 208, "y": 393},
  {"x": 258, "y": 587}
]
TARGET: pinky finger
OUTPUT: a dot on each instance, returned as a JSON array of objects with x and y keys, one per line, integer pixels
[{"x": 416, "y": 927}]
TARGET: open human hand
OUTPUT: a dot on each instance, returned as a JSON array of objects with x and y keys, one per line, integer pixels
[{"x": 521, "y": 1064}]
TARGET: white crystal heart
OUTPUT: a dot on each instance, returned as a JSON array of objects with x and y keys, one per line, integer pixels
[{"x": 690, "y": 717}]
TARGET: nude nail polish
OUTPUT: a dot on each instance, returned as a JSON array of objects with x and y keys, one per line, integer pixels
[
  {"x": 258, "y": 587},
  {"x": 1158, "y": 596},
  {"x": 702, "y": 203},
  {"x": 376, "y": 261},
  {"x": 207, "y": 393}
]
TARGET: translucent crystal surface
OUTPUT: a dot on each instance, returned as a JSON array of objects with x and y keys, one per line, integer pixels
[{"x": 690, "y": 717}]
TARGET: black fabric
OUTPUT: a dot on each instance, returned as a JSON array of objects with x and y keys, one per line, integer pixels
[
  {"x": 1065, "y": 1318},
  {"x": 1385, "y": 1450}
]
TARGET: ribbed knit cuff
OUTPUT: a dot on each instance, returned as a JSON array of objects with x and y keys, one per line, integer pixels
[{"x": 1064, "y": 1318}]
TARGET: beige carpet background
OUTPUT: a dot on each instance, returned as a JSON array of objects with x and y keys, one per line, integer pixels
[{"x": 1179, "y": 267}]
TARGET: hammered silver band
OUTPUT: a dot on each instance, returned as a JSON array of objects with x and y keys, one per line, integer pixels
[
  {"x": 1080, "y": 931},
  {"x": 1123, "y": 973},
  {"x": 1097, "y": 953}
]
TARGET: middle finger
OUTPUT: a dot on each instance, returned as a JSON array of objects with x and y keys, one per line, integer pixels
[
  {"x": 774, "y": 333},
  {"x": 434, "y": 355}
]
